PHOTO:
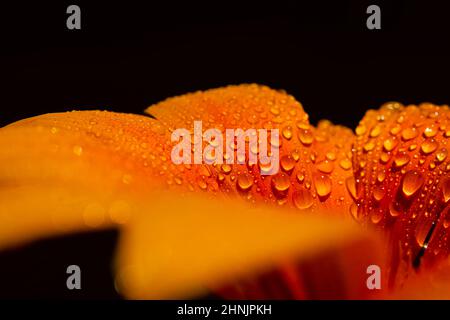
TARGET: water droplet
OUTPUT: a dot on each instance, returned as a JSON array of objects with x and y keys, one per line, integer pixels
[
  {"x": 350, "y": 183},
  {"x": 390, "y": 143},
  {"x": 378, "y": 193},
  {"x": 178, "y": 180},
  {"x": 275, "y": 111},
  {"x": 422, "y": 231},
  {"x": 306, "y": 136},
  {"x": 375, "y": 132},
  {"x": 429, "y": 146},
  {"x": 345, "y": 164},
  {"x": 369, "y": 146},
  {"x": 287, "y": 163},
  {"x": 287, "y": 132},
  {"x": 331, "y": 156},
  {"x": 355, "y": 212},
  {"x": 322, "y": 183},
  {"x": 360, "y": 130},
  {"x": 395, "y": 129},
  {"x": 384, "y": 158},
  {"x": 325, "y": 166},
  {"x": 226, "y": 168},
  {"x": 54, "y": 130},
  {"x": 412, "y": 182},
  {"x": 409, "y": 133},
  {"x": 446, "y": 189},
  {"x": 430, "y": 131},
  {"x": 376, "y": 216},
  {"x": 300, "y": 177},
  {"x": 401, "y": 159},
  {"x": 381, "y": 176},
  {"x": 281, "y": 182},
  {"x": 394, "y": 209},
  {"x": 295, "y": 155},
  {"x": 245, "y": 181},
  {"x": 77, "y": 150},
  {"x": 302, "y": 199},
  {"x": 202, "y": 184},
  {"x": 441, "y": 155},
  {"x": 220, "y": 177}
]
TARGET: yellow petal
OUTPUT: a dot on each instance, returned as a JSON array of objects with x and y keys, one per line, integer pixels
[
  {"x": 190, "y": 245},
  {"x": 73, "y": 171}
]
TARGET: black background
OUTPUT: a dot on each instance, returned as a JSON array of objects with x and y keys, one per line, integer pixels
[{"x": 129, "y": 55}]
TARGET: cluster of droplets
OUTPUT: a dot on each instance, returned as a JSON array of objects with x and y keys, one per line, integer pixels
[{"x": 401, "y": 175}]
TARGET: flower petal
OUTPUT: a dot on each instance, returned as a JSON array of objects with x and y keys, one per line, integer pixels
[{"x": 188, "y": 246}]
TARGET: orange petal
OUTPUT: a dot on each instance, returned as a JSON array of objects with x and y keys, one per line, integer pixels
[
  {"x": 314, "y": 162},
  {"x": 401, "y": 169}
]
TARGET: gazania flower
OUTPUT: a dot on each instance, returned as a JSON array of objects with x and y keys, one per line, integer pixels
[{"x": 347, "y": 215}]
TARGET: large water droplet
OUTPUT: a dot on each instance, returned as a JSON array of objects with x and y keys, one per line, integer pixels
[
  {"x": 401, "y": 159},
  {"x": 390, "y": 143},
  {"x": 325, "y": 166},
  {"x": 394, "y": 209},
  {"x": 378, "y": 193},
  {"x": 360, "y": 130},
  {"x": 369, "y": 146},
  {"x": 375, "y": 132},
  {"x": 302, "y": 199},
  {"x": 306, "y": 136},
  {"x": 345, "y": 164},
  {"x": 287, "y": 132},
  {"x": 281, "y": 182},
  {"x": 322, "y": 183},
  {"x": 422, "y": 230},
  {"x": 244, "y": 181},
  {"x": 376, "y": 216},
  {"x": 350, "y": 183},
  {"x": 429, "y": 146},
  {"x": 355, "y": 212},
  {"x": 287, "y": 163},
  {"x": 430, "y": 131},
  {"x": 412, "y": 182},
  {"x": 446, "y": 189},
  {"x": 409, "y": 133}
]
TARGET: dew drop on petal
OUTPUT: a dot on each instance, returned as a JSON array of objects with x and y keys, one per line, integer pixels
[
  {"x": 401, "y": 159},
  {"x": 302, "y": 199},
  {"x": 325, "y": 166},
  {"x": 441, "y": 155},
  {"x": 287, "y": 132},
  {"x": 306, "y": 136},
  {"x": 287, "y": 163},
  {"x": 351, "y": 186},
  {"x": 322, "y": 183},
  {"x": 390, "y": 143},
  {"x": 345, "y": 164},
  {"x": 409, "y": 133},
  {"x": 446, "y": 189},
  {"x": 429, "y": 146},
  {"x": 281, "y": 182},
  {"x": 412, "y": 182},
  {"x": 244, "y": 181}
]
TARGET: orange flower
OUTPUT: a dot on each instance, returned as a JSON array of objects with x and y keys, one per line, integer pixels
[{"x": 226, "y": 227}]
